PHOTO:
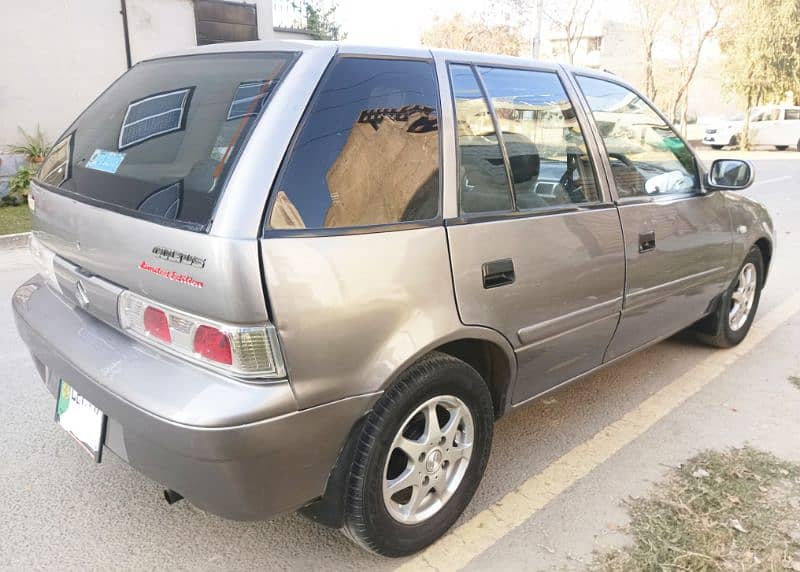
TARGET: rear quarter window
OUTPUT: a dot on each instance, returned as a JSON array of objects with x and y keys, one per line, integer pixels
[
  {"x": 367, "y": 150},
  {"x": 158, "y": 143}
]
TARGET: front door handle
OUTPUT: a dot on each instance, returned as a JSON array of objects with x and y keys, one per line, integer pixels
[
  {"x": 498, "y": 273},
  {"x": 647, "y": 241}
]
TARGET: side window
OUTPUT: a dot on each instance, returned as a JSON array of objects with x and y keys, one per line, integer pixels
[
  {"x": 792, "y": 114},
  {"x": 483, "y": 182},
  {"x": 550, "y": 165},
  {"x": 367, "y": 151},
  {"x": 646, "y": 156}
]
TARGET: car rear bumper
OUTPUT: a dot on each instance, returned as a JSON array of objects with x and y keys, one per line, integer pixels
[{"x": 241, "y": 451}]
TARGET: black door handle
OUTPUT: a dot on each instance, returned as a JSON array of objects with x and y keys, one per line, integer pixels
[
  {"x": 647, "y": 241},
  {"x": 498, "y": 273}
]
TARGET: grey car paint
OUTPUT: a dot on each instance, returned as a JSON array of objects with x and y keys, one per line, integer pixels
[
  {"x": 113, "y": 246},
  {"x": 563, "y": 307},
  {"x": 352, "y": 310},
  {"x": 241, "y": 451},
  {"x": 671, "y": 286}
]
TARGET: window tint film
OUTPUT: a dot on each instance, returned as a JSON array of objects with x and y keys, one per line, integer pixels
[
  {"x": 159, "y": 142},
  {"x": 483, "y": 182},
  {"x": 646, "y": 156},
  {"x": 367, "y": 152},
  {"x": 550, "y": 165}
]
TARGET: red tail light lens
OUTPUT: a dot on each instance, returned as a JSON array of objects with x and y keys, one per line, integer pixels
[
  {"x": 244, "y": 351},
  {"x": 213, "y": 344},
  {"x": 156, "y": 324}
]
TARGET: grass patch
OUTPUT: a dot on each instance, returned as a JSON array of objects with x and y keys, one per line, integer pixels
[
  {"x": 732, "y": 510},
  {"x": 795, "y": 380},
  {"x": 15, "y": 219}
]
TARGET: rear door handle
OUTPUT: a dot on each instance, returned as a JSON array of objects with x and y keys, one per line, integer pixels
[
  {"x": 498, "y": 273},
  {"x": 647, "y": 241}
]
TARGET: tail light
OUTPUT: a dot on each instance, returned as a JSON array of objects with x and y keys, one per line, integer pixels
[
  {"x": 213, "y": 344},
  {"x": 156, "y": 324},
  {"x": 250, "y": 352}
]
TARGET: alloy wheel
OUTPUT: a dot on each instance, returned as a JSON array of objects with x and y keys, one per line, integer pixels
[
  {"x": 428, "y": 459},
  {"x": 743, "y": 297}
]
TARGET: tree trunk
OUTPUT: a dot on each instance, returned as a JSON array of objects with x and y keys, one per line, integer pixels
[
  {"x": 649, "y": 80},
  {"x": 745, "y": 140},
  {"x": 674, "y": 110},
  {"x": 685, "y": 114}
]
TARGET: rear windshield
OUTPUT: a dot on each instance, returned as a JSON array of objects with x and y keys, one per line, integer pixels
[{"x": 159, "y": 142}]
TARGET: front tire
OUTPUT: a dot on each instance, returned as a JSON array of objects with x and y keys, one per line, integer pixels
[
  {"x": 419, "y": 458},
  {"x": 738, "y": 306},
  {"x": 716, "y": 147},
  {"x": 781, "y": 147}
]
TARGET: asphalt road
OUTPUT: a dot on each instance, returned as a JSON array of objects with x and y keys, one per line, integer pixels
[{"x": 60, "y": 511}]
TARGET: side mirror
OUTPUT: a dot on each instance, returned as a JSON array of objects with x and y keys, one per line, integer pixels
[{"x": 729, "y": 175}]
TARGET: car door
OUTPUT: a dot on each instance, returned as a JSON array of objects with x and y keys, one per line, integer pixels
[
  {"x": 536, "y": 248},
  {"x": 678, "y": 241},
  {"x": 766, "y": 126}
]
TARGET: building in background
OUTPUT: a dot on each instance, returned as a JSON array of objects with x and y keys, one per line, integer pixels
[
  {"x": 617, "y": 47},
  {"x": 57, "y": 56}
]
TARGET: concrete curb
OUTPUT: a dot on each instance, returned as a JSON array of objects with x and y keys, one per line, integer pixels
[{"x": 19, "y": 240}]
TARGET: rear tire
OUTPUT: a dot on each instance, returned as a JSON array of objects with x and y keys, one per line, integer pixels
[
  {"x": 380, "y": 514},
  {"x": 781, "y": 147},
  {"x": 730, "y": 323}
]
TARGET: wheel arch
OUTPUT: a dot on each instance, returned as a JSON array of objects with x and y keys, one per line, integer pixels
[
  {"x": 486, "y": 350},
  {"x": 491, "y": 363},
  {"x": 765, "y": 246}
]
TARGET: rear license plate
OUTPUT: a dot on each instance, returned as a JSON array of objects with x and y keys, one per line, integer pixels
[{"x": 81, "y": 419}]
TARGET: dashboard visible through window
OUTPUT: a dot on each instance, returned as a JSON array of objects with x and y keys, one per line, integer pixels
[{"x": 646, "y": 156}]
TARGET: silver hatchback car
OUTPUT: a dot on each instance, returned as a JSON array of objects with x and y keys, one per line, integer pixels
[{"x": 282, "y": 276}]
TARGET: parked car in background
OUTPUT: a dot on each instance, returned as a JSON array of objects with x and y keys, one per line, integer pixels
[
  {"x": 776, "y": 125},
  {"x": 310, "y": 276},
  {"x": 724, "y": 133}
]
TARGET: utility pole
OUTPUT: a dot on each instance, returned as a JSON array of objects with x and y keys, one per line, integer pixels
[
  {"x": 537, "y": 40},
  {"x": 126, "y": 35}
]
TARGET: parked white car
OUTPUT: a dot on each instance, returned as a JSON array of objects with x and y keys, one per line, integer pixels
[
  {"x": 724, "y": 133},
  {"x": 777, "y": 125}
]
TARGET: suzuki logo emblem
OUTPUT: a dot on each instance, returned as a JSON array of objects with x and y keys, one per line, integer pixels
[{"x": 81, "y": 295}]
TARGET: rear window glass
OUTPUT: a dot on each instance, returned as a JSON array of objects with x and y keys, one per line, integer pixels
[
  {"x": 367, "y": 152},
  {"x": 159, "y": 142}
]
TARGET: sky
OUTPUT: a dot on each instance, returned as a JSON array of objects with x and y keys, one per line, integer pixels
[{"x": 389, "y": 22}]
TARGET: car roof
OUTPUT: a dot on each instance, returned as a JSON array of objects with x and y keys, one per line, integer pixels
[{"x": 373, "y": 50}]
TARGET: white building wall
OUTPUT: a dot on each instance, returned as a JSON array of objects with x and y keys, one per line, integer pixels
[
  {"x": 55, "y": 57},
  {"x": 158, "y": 26}
]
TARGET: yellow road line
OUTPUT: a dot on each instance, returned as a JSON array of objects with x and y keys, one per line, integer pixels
[{"x": 466, "y": 542}]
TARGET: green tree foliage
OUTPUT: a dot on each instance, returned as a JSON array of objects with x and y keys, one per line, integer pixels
[
  {"x": 761, "y": 42},
  {"x": 474, "y": 34},
  {"x": 321, "y": 21}
]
